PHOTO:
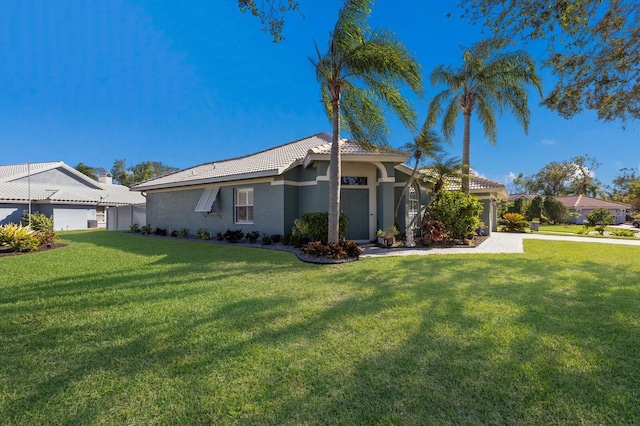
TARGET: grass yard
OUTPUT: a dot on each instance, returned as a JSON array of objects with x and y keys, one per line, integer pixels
[{"x": 124, "y": 329}]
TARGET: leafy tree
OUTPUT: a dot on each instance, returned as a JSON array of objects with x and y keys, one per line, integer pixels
[
  {"x": 534, "y": 210},
  {"x": 458, "y": 211},
  {"x": 599, "y": 218},
  {"x": 552, "y": 179},
  {"x": 626, "y": 188},
  {"x": 519, "y": 205},
  {"x": 555, "y": 211},
  {"x": 570, "y": 177},
  {"x": 583, "y": 180},
  {"x": 489, "y": 81},
  {"x": 593, "y": 48},
  {"x": 360, "y": 72},
  {"x": 426, "y": 145},
  {"x": 141, "y": 172},
  {"x": 271, "y": 14}
]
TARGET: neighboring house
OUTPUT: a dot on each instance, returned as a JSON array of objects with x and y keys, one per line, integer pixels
[
  {"x": 584, "y": 205},
  {"x": 55, "y": 189},
  {"x": 268, "y": 190}
]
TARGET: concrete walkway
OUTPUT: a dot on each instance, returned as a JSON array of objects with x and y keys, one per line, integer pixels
[{"x": 498, "y": 242}]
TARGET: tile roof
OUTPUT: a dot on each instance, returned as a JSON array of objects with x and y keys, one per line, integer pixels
[
  {"x": 91, "y": 194},
  {"x": 270, "y": 162},
  {"x": 476, "y": 183},
  {"x": 576, "y": 201}
]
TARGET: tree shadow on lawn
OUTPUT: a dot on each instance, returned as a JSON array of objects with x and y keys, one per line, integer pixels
[{"x": 416, "y": 340}]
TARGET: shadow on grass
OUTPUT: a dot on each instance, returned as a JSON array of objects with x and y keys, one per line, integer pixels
[{"x": 239, "y": 335}]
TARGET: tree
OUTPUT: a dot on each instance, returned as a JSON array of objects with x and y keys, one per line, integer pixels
[
  {"x": 489, "y": 80},
  {"x": 534, "y": 209},
  {"x": 440, "y": 171},
  {"x": 359, "y": 74},
  {"x": 426, "y": 145},
  {"x": 583, "y": 180},
  {"x": 599, "y": 218},
  {"x": 555, "y": 211},
  {"x": 271, "y": 14},
  {"x": 92, "y": 172},
  {"x": 626, "y": 188},
  {"x": 593, "y": 48},
  {"x": 570, "y": 177},
  {"x": 138, "y": 173}
]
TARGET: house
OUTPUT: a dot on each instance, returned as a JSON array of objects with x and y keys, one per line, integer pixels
[
  {"x": 268, "y": 190},
  {"x": 584, "y": 205},
  {"x": 55, "y": 189}
]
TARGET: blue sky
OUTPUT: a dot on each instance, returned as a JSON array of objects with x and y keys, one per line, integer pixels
[{"x": 94, "y": 81}]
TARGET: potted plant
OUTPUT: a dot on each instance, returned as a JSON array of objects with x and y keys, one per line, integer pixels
[
  {"x": 390, "y": 236},
  {"x": 380, "y": 236}
]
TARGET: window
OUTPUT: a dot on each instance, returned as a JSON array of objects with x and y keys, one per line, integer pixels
[
  {"x": 209, "y": 202},
  {"x": 412, "y": 205},
  {"x": 244, "y": 205},
  {"x": 354, "y": 180}
]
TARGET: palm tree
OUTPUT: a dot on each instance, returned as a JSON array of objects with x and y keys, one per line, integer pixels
[
  {"x": 426, "y": 145},
  {"x": 443, "y": 169},
  {"x": 489, "y": 79},
  {"x": 87, "y": 170},
  {"x": 360, "y": 73}
]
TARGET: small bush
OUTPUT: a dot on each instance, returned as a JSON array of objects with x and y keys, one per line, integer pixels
[
  {"x": 219, "y": 236},
  {"x": 459, "y": 212},
  {"x": 135, "y": 228},
  {"x": 46, "y": 238},
  {"x": 203, "y": 234},
  {"x": 513, "y": 222},
  {"x": 180, "y": 233},
  {"x": 146, "y": 229},
  {"x": 623, "y": 233},
  {"x": 39, "y": 222},
  {"x": 599, "y": 218},
  {"x": 434, "y": 230},
  {"x": 18, "y": 237},
  {"x": 584, "y": 230},
  {"x": 161, "y": 232},
  {"x": 266, "y": 239},
  {"x": 233, "y": 236},
  {"x": 317, "y": 225},
  {"x": 341, "y": 250},
  {"x": 252, "y": 236}
]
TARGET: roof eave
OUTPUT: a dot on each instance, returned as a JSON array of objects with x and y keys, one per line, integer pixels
[{"x": 267, "y": 173}]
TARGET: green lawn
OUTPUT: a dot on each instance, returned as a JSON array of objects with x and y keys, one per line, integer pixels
[{"x": 124, "y": 329}]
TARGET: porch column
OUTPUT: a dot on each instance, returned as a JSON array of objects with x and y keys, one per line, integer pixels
[{"x": 386, "y": 207}]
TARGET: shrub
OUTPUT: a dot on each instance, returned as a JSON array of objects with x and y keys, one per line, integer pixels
[
  {"x": 219, "y": 236},
  {"x": 146, "y": 229},
  {"x": 340, "y": 250},
  {"x": 513, "y": 222},
  {"x": 266, "y": 239},
  {"x": 39, "y": 221},
  {"x": 317, "y": 225},
  {"x": 555, "y": 211},
  {"x": 599, "y": 218},
  {"x": 623, "y": 233},
  {"x": 181, "y": 233},
  {"x": 134, "y": 228},
  {"x": 46, "y": 237},
  {"x": 434, "y": 230},
  {"x": 18, "y": 237},
  {"x": 534, "y": 209},
  {"x": 459, "y": 212},
  {"x": 203, "y": 234},
  {"x": 252, "y": 236},
  {"x": 161, "y": 232},
  {"x": 233, "y": 236}
]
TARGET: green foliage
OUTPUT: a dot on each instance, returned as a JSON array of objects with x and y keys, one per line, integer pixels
[
  {"x": 203, "y": 234},
  {"x": 513, "y": 222},
  {"x": 180, "y": 233},
  {"x": 598, "y": 219},
  {"x": 39, "y": 221},
  {"x": 161, "y": 232},
  {"x": 266, "y": 240},
  {"x": 555, "y": 211},
  {"x": 18, "y": 237},
  {"x": 89, "y": 171},
  {"x": 341, "y": 250},
  {"x": 46, "y": 238},
  {"x": 316, "y": 225},
  {"x": 271, "y": 14},
  {"x": 129, "y": 176},
  {"x": 592, "y": 49},
  {"x": 570, "y": 177},
  {"x": 135, "y": 228},
  {"x": 146, "y": 229},
  {"x": 489, "y": 81},
  {"x": 233, "y": 236},
  {"x": 534, "y": 209},
  {"x": 623, "y": 233},
  {"x": 459, "y": 212},
  {"x": 252, "y": 236}
]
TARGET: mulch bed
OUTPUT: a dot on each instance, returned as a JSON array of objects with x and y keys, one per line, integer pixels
[{"x": 5, "y": 251}]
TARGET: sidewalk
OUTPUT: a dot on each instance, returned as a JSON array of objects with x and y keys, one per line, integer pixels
[{"x": 499, "y": 242}]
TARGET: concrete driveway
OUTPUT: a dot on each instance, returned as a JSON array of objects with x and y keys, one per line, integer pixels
[{"x": 499, "y": 242}]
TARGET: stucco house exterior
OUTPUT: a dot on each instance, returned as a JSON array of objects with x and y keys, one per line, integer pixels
[
  {"x": 584, "y": 205},
  {"x": 268, "y": 190},
  {"x": 55, "y": 189}
]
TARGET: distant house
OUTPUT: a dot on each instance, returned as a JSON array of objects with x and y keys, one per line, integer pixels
[
  {"x": 583, "y": 205},
  {"x": 268, "y": 190},
  {"x": 55, "y": 189}
]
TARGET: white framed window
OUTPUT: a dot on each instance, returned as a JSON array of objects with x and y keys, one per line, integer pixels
[
  {"x": 244, "y": 205},
  {"x": 412, "y": 205}
]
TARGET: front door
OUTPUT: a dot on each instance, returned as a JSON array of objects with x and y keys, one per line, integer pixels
[{"x": 355, "y": 204}]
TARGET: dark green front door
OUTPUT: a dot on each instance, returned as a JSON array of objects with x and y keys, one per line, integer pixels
[{"x": 355, "y": 204}]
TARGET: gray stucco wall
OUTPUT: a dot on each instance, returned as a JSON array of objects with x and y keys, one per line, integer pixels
[{"x": 174, "y": 210}]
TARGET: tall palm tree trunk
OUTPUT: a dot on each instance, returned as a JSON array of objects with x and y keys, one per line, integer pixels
[
  {"x": 466, "y": 142},
  {"x": 334, "y": 175}
]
